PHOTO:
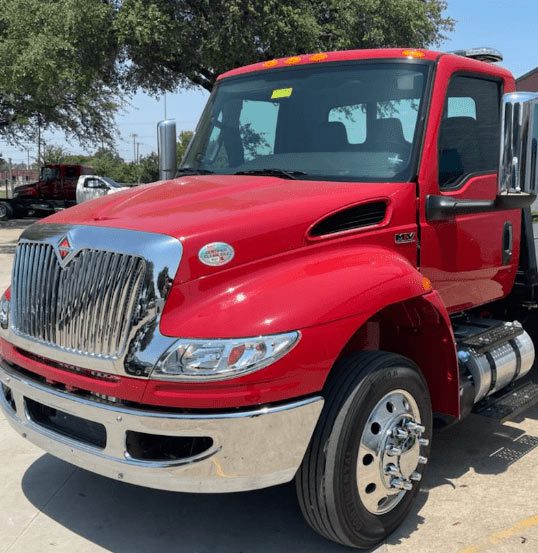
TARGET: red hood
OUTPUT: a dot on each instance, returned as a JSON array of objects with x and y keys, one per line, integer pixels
[{"x": 258, "y": 216}]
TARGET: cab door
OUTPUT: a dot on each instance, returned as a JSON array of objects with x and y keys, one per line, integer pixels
[{"x": 469, "y": 248}]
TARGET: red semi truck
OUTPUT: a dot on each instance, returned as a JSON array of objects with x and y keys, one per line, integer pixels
[
  {"x": 345, "y": 256},
  {"x": 55, "y": 190}
]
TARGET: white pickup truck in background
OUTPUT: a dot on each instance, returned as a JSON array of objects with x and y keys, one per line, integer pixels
[{"x": 90, "y": 187}]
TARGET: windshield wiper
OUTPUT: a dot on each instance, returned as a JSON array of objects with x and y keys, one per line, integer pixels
[
  {"x": 281, "y": 173},
  {"x": 185, "y": 171}
]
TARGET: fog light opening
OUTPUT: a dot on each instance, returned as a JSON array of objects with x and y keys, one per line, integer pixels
[
  {"x": 8, "y": 396},
  {"x": 155, "y": 447}
]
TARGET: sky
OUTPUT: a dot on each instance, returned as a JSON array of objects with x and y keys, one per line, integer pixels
[{"x": 511, "y": 27}]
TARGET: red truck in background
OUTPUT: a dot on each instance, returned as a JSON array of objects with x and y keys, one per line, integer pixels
[
  {"x": 346, "y": 255},
  {"x": 55, "y": 190}
]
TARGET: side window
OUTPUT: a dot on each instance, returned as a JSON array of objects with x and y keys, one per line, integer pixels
[
  {"x": 257, "y": 127},
  {"x": 461, "y": 107},
  {"x": 353, "y": 117},
  {"x": 470, "y": 129},
  {"x": 71, "y": 172}
]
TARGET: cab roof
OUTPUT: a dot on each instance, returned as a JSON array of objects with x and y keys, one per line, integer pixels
[{"x": 349, "y": 55}]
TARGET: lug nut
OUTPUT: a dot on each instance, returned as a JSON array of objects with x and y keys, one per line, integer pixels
[
  {"x": 392, "y": 470},
  {"x": 416, "y": 477},
  {"x": 393, "y": 451},
  {"x": 400, "y": 433},
  {"x": 422, "y": 460},
  {"x": 401, "y": 484},
  {"x": 414, "y": 427},
  {"x": 424, "y": 441}
]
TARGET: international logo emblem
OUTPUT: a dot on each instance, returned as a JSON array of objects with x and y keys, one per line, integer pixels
[{"x": 63, "y": 250}]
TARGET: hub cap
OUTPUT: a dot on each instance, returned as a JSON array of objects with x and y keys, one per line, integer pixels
[
  {"x": 3, "y": 211},
  {"x": 389, "y": 452}
]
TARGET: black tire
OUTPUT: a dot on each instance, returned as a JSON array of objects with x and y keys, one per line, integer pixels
[
  {"x": 327, "y": 484},
  {"x": 6, "y": 211}
]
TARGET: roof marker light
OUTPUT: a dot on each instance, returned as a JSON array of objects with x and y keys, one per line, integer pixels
[
  {"x": 413, "y": 54},
  {"x": 318, "y": 57},
  {"x": 293, "y": 60},
  {"x": 271, "y": 63}
]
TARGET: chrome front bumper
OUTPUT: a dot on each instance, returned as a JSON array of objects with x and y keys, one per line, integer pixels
[{"x": 251, "y": 449}]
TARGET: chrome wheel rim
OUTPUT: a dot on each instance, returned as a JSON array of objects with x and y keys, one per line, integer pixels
[
  {"x": 3, "y": 211},
  {"x": 390, "y": 452}
]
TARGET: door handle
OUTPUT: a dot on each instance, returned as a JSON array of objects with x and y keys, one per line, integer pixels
[{"x": 508, "y": 240}]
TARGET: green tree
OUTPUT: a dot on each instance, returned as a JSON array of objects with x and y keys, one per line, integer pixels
[
  {"x": 58, "y": 68},
  {"x": 190, "y": 42},
  {"x": 183, "y": 141},
  {"x": 106, "y": 162},
  {"x": 148, "y": 168},
  {"x": 69, "y": 64},
  {"x": 54, "y": 154}
]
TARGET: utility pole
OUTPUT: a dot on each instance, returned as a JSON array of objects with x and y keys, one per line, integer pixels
[
  {"x": 138, "y": 161},
  {"x": 38, "y": 143},
  {"x": 134, "y": 136},
  {"x": 10, "y": 168}
]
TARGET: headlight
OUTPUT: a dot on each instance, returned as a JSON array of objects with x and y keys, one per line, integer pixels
[
  {"x": 221, "y": 359},
  {"x": 4, "y": 312}
]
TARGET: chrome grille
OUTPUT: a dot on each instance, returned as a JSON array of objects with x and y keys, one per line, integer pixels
[{"x": 87, "y": 307}]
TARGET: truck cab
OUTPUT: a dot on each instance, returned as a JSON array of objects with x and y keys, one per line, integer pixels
[
  {"x": 345, "y": 255},
  {"x": 55, "y": 189},
  {"x": 91, "y": 187}
]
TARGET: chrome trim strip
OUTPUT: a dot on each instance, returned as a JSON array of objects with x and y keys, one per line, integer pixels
[
  {"x": 162, "y": 255},
  {"x": 251, "y": 449}
]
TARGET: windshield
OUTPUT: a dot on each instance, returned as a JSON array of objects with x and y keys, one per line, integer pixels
[
  {"x": 355, "y": 122},
  {"x": 111, "y": 182},
  {"x": 50, "y": 173}
]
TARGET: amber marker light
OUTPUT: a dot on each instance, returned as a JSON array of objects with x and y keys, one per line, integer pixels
[
  {"x": 413, "y": 54},
  {"x": 271, "y": 63},
  {"x": 318, "y": 57},
  {"x": 293, "y": 60},
  {"x": 427, "y": 284}
]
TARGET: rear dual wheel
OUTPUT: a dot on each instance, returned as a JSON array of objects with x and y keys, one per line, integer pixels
[{"x": 366, "y": 458}]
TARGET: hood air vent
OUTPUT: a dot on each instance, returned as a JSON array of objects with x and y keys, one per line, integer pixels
[{"x": 354, "y": 217}]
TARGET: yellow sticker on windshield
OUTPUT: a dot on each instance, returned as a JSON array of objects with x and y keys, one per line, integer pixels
[{"x": 281, "y": 93}]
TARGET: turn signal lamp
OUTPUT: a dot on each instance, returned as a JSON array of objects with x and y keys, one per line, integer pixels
[{"x": 427, "y": 284}]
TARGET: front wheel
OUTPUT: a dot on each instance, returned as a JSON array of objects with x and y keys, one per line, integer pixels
[
  {"x": 366, "y": 458},
  {"x": 6, "y": 211}
]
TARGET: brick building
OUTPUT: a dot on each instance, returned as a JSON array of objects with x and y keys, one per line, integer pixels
[
  {"x": 19, "y": 176},
  {"x": 529, "y": 81}
]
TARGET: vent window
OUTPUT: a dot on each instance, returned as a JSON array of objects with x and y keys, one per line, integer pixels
[{"x": 358, "y": 216}]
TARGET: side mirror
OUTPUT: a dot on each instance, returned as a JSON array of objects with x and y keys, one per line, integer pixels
[
  {"x": 166, "y": 140},
  {"x": 518, "y": 160}
]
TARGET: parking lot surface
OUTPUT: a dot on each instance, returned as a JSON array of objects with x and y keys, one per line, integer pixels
[{"x": 479, "y": 495}]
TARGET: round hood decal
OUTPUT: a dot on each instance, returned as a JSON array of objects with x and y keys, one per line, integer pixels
[{"x": 216, "y": 254}]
